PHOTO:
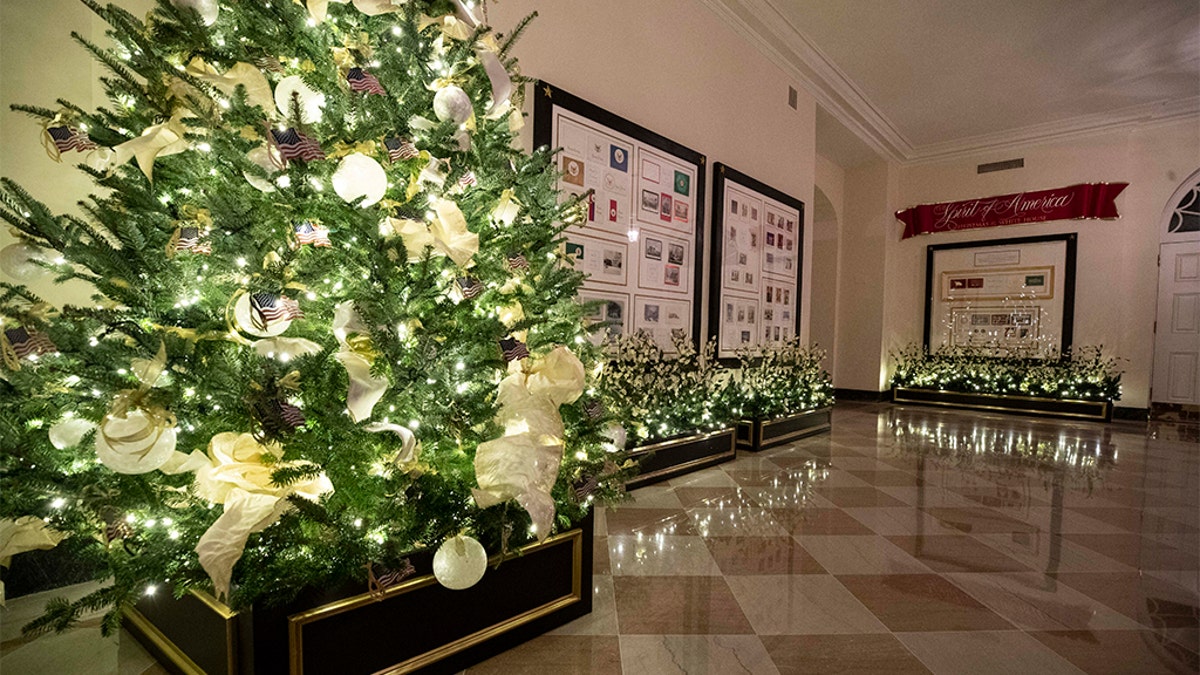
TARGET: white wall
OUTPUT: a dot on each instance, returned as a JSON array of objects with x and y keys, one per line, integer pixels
[
  {"x": 827, "y": 232},
  {"x": 673, "y": 67},
  {"x": 1116, "y": 283}
]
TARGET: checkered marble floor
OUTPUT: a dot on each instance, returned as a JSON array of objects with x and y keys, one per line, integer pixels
[{"x": 905, "y": 540}]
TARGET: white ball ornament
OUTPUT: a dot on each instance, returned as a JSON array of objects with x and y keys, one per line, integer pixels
[
  {"x": 452, "y": 104},
  {"x": 459, "y": 563},
  {"x": 261, "y": 156},
  {"x": 134, "y": 444},
  {"x": 312, "y": 102},
  {"x": 69, "y": 431},
  {"x": 360, "y": 176},
  {"x": 19, "y": 261},
  {"x": 208, "y": 9}
]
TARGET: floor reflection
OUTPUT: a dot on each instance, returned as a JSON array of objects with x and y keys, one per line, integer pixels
[{"x": 904, "y": 540}]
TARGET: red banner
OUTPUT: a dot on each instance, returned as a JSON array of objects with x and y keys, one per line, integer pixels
[{"x": 1094, "y": 200}]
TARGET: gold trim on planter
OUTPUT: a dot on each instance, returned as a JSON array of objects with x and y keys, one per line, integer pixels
[
  {"x": 296, "y": 622},
  {"x": 806, "y": 431},
  {"x": 174, "y": 654},
  {"x": 643, "y": 449},
  {"x": 637, "y": 480},
  {"x": 1102, "y": 415}
]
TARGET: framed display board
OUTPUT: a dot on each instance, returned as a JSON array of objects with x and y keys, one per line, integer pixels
[
  {"x": 644, "y": 238},
  {"x": 757, "y": 254},
  {"x": 1010, "y": 297}
]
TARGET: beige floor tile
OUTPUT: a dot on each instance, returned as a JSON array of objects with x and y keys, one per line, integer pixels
[
  {"x": 603, "y": 618},
  {"x": 1034, "y": 601},
  {"x": 985, "y": 653},
  {"x": 662, "y": 555},
  {"x": 860, "y": 554},
  {"x": 695, "y": 655},
  {"x": 802, "y": 605}
]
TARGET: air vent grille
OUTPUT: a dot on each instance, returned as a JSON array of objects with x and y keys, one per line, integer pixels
[{"x": 1007, "y": 164}]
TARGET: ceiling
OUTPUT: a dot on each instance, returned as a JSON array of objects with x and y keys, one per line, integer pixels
[{"x": 917, "y": 80}]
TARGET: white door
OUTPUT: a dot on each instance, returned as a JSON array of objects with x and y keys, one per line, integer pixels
[{"x": 1177, "y": 338}]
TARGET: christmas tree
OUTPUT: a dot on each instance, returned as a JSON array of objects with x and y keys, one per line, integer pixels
[{"x": 332, "y": 325}]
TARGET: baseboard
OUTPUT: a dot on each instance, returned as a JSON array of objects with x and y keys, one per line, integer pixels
[
  {"x": 1133, "y": 414},
  {"x": 861, "y": 395}
]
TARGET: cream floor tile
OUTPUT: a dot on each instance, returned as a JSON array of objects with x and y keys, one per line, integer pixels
[
  {"x": 799, "y": 605},
  {"x": 1033, "y": 601},
  {"x": 889, "y": 520},
  {"x": 751, "y": 521},
  {"x": 855, "y": 554},
  {"x": 662, "y": 555},
  {"x": 603, "y": 619},
  {"x": 695, "y": 655},
  {"x": 985, "y": 653}
]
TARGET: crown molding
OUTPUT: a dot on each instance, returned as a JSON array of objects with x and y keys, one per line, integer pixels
[{"x": 788, "y": 48}]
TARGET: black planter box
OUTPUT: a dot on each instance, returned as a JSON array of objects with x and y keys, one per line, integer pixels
[
  {"x": 414, "y": 626},
  {"x": 1100, "y": 411},
  {"x": 677, "y": 456},
  {"x": 759, "y": 434}
]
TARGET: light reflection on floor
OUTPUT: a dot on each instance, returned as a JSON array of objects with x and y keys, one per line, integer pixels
[{"x": 905, "y": 540}]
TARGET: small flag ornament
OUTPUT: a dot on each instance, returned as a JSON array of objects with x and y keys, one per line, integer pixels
[
  {"x": 379, "y": 581},
  {"x": 268, "y": 307},
  {"x": 269, "y": 63},
  {"x": 516, "y": 261},
  {"x": 594, "y": 408},
  {"x": 399, "y": 149},
  {"x": 586, "y": 487},
  {"x": 59, "y": 139},
  {"x": 364, "y": 82},
  {"x": 513, "y": 349},
  {"x": 312, "y": 233},
  {"x": 468, "y": 179},
  {"x": 278, "y": 417},
  {"x": 471, "y": 288},
  {"x": 295, "y": 145},
  {"x": 23, "y": 343},
  {"x": 190, "y": 239}
]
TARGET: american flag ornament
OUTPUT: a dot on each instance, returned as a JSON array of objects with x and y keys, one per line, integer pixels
[
  {"x": 516, "y": 261},
  {"x": 67, "y": 138},
  {"x": 294, "y": 145},
  {"x": 191, "y": 239},
  {"x": 593, "y": 408},
  {"x": 400, "y": 149},
  {"x": 278, "y": 417},
  {"x": 383, "y": 579},
  {"x": 468, "y": 179},
  {"x": 471, "y": 288},
  {"x": 269, "y": 63},
  {"x": 513, "y": 349},
  {"x": 586, "y": 487},
  {"x": 312, "y": 233},
  {"x": 23, "y": 343},
  {"x": 268, "y": 307},
  {"x": 364, "y": 82},
  {"x": 117, "y": 530}
]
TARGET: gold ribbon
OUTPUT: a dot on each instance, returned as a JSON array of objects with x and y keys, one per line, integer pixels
[{"x": 135, "y": 399}]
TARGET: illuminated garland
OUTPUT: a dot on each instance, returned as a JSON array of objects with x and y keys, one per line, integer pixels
[{"x": 1087, "y": 373}]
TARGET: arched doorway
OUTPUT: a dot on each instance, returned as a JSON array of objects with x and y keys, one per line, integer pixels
[
  {"x": 1175, "y": 387},
  {"x": 822, "y": 329}
]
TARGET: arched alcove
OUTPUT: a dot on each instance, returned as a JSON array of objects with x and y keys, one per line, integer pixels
[{"x": 823, "y": 320}]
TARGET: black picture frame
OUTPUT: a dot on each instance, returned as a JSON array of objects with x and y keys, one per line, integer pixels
[
  {"x": 1071, "y": 241},
  {"x": 547, "y": 96},
  {"x": 722, "y": 173}
]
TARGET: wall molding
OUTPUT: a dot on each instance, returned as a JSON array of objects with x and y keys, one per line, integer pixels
[{"x": 790, "y": 50}]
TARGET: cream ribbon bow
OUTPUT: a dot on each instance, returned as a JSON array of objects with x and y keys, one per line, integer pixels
[{"x": 523, "y": 463}]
